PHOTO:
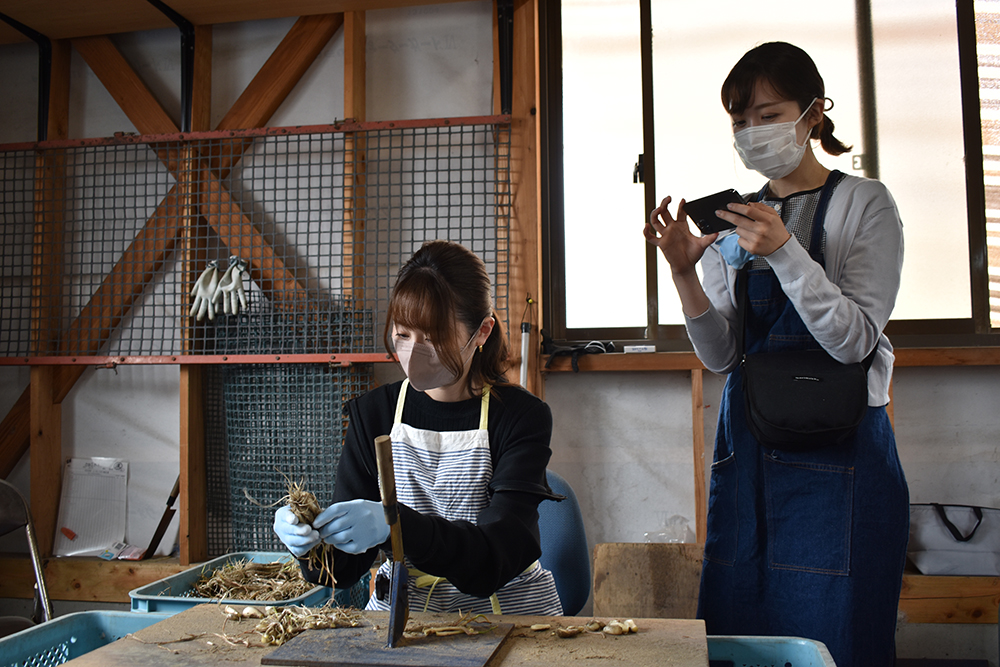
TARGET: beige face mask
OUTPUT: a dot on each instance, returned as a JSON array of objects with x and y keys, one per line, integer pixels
[{"x": 422, "y": 366}]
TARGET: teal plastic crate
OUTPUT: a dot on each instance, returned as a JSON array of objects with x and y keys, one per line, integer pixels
[
  {"x": 732, "y": 651},
  {"x": 70, "y": 636},
  {"x": 175, "y": 593}
]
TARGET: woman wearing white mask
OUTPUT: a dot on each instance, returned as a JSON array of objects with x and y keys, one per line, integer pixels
[
  {"x": 810, "y": 543},
  {"x": 469, "y": 451}
]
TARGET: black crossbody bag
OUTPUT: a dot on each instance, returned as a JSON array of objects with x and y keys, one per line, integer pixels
[{"x": 803, "y": 399}]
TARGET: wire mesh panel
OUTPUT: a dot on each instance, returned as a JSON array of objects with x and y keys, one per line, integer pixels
[
  {"x": 284, "y": 422},
  {"x": 109, "y": 246}
]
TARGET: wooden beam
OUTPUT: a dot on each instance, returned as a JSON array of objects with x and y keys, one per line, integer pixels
[
  {"x": 355, "y": 157},
  {"x": 947, "y": 356},
  {"x": 278, "y": 76},
  {"x": 46, "y": 457},
  {"x": 124, "y": 84},
  {"x": 698, "y": 451},
  {"x": 237, "y": 231},
  {"x": 617, "y": 361}
]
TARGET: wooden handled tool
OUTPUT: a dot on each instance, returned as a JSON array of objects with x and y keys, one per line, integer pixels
[{"x": 399, "y": 610}]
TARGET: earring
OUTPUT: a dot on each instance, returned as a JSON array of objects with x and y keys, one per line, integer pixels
[{"x": 480, "y": 349}]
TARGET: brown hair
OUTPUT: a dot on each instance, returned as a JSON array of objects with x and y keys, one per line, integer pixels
[
  {"x": 445, "y": 284},
  {"x": 791, "y": 74}
]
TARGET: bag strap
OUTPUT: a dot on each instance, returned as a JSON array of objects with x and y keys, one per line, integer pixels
[
  {"x": 815, "y": 245},
  {"x": 955, "y": 532}
]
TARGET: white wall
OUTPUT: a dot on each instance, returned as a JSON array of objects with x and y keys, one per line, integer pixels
[{"x": 621, "y": 439}]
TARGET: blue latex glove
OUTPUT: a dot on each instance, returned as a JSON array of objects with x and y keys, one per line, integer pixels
[
  {"x": 731, "y": 250},
  {"x": 300, "y": 538},
  {"x": 353, "y": 526}
]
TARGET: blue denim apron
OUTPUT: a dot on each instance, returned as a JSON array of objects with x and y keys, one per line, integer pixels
[{"x": 803, "y": 544}]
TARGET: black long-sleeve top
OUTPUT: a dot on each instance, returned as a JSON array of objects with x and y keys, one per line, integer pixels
[{"x": 479, "y": 558}]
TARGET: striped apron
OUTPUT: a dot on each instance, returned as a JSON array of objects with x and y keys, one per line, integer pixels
[{"x": 447, "y": 474}]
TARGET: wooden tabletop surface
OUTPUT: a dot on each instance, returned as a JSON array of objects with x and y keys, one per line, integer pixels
[{"x": 203, "y": 637}]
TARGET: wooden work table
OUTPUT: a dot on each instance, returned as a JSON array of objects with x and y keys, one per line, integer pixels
[{"x": 191, "y": 639}]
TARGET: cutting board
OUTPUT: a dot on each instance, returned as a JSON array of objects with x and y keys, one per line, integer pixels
[{"x": 366, "y": 647}]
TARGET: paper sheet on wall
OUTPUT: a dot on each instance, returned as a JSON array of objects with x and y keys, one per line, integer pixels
[{"x": 92, "y": 508}]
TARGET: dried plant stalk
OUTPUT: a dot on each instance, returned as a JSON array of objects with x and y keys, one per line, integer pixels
[
  {"x": 246, "y": 580},
  {"x": 305, "y": 507},
  {"x": 281, "y": 624}
]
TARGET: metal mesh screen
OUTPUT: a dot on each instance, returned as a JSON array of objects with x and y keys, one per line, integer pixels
[
  {"x": 283, "y": 422},
  {"x": 102, "y": 241}
]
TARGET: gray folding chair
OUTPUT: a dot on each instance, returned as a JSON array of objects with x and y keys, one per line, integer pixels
[{"x": 14, "y": 514}]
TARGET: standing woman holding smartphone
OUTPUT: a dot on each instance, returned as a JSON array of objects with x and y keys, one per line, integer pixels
[{"x": 811, "y": 543}]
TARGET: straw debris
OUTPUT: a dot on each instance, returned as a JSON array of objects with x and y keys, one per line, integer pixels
[
  {"x": 279, "y": 624},
  {"x": 246, "y": 580}
]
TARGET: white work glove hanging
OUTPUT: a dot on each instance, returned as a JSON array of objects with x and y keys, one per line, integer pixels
[
  {"x": 230, "y": 290},
  {"x": 204, "y": 292}
]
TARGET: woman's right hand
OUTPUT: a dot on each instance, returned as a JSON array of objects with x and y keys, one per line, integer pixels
[
  {"x": 671, "y": 235},
  {"x": 299, "y": 538}
]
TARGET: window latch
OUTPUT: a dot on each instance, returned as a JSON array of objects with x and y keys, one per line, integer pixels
[{"x": 638, "y": 172}]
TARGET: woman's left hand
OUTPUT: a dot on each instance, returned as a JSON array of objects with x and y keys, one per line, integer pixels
[{"x": 759, "y": 226}]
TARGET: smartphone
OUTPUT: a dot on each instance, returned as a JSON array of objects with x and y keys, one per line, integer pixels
[{"x": 702, "y": 211}]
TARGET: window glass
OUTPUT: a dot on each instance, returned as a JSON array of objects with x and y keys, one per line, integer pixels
[
  {"x": 988, "y": 51},
  {"x": 922, "y": 154},
  {"x": 602, "y": 126},
  {"x": 693, "y": 51},
  {"x": 918, "y": 129}
]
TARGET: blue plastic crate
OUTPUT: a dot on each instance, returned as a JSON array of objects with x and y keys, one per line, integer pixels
[
  {"x": 726, "y": 650},
  {"x": 70, "y": 636},
  {"x": 175, "y": 593}
]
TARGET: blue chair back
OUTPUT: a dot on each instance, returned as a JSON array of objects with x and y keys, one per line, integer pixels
[{"x": 564, "y": 545}]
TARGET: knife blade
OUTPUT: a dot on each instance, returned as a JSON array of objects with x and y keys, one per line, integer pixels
[{"x": 399, "y": 609}]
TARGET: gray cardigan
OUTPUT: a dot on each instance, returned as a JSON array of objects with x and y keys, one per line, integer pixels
[{"x": 845, "y": 308}]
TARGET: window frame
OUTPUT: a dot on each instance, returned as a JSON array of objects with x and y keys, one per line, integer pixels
[{"x": 959, "y": 332}]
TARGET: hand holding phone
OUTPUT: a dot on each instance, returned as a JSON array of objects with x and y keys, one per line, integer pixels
[{"x": 702, "y": 211}]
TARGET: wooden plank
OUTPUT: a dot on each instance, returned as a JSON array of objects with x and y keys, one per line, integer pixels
[
  {"x": 616, "y": 361},
  {"x": 58, "y": 127},
  {"x": 952, "y": 599},
  {"x": 524, "y": 246},
  {"x": 201, "y": 91},
  {"x": 46, "y": 457},
  {"x": 124, "y": 85},
  {"x": 698, "y": 452},
  {"x": 193, "y": 534},
  {"x": 947, "y": 356},
  {"x": 648, "y": 580},
  {"x": 84, "y": 579},
  {"x": 282, "y": 70}
]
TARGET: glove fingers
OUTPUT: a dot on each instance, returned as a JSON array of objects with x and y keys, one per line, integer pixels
[{"x": 332, "y": 512}]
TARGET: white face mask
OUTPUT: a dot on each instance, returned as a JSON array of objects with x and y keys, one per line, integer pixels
[
  {"x": 771, "y": 150},
  {"x": 422, "y": 366}
]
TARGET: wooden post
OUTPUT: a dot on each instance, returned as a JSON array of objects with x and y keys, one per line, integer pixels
[
  {"x": 698, "y": 450},
  {"x": 523, "y": 247},
  {"x": 355, "y": 94},
  {"x": 46, "y": 457}
]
